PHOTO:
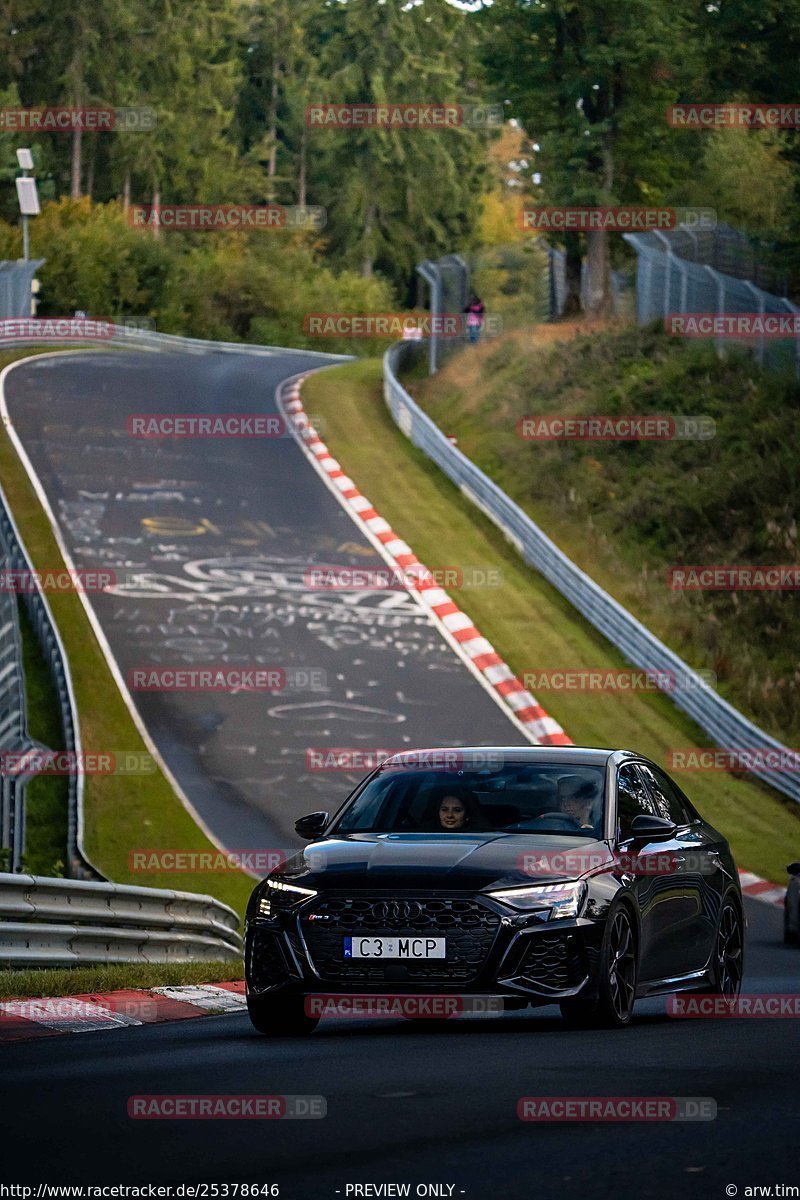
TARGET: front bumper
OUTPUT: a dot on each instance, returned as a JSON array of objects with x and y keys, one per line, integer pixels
[{"x": 490, "y": 949}]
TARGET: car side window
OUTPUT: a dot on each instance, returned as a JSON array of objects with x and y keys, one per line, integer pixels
[
  {"x": 668, "y": 800},
  {"x": 633, "y": 799}
]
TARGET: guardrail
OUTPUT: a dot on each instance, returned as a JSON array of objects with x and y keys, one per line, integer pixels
[
  {"x": 59, "y": 922},
  {"x": 84, "y": 331},
  {"x": 13, "y": 723},
  {"x": 723, "y": 723},
  {"x": 53, "y": 652}
]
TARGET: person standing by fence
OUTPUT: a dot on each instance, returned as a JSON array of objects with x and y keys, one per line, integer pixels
[{"x": 476, "y": 312}]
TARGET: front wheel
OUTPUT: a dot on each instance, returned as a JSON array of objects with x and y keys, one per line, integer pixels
[
  {"x": 790, "y": 936},
  {"x": 618, "y": 971},
  {"x": 280, "y": 1015}
]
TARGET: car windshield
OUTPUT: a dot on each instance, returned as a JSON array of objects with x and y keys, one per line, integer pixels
[{"x": 514, "y": 798}]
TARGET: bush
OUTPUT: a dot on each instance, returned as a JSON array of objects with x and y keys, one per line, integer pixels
[{"x": 241, "y": 287}]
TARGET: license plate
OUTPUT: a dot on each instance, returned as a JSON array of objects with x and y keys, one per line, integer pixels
[{"x": 394, "y": 947}]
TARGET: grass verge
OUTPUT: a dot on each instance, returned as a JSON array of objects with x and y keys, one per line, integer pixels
[
  {"x": 627, "y": 512},
  {"x": 82, "y": 981},
  {"x": 46, "y": 796},
  {"x": 122, "y": 813},
  {"x": 529, "y": 623}
]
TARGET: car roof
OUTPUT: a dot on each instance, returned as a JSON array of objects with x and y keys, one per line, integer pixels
[{"x": 569, "y": 755}]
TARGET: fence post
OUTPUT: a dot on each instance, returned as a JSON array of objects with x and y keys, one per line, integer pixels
[
  {"x": 759, "y": 295},
  {"x": 646, "y": 285},
  {"x": 667, "y": 271},
  {"x": 795, "y": 310},
  {"x": 552, "y": 299},
  {"x": 720, "y": 282},
  {"x": 432, "y": 276}
]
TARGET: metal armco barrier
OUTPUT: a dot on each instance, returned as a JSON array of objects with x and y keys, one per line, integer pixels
[
  {"x": 16, "y": 559},
  {"x": 78, "y": 332},
  {"x": 13, "y": 725},
  {"x": 65, "y": 921},
  {"x": 723, "y": 723}
]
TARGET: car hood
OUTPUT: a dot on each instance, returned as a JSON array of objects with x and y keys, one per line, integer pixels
[{"x": 443, "y": 860}]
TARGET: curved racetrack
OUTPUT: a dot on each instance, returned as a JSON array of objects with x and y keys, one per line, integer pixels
[
  {"x": 407, "y": 1103},
  {"x": 210, "y": 541}
]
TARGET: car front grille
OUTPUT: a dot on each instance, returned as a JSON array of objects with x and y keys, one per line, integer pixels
[{"x": 468, "y": 925}]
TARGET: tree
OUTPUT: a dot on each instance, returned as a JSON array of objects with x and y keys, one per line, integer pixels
[
  {"x": 400, "y": 194},
  {"x": 281, "y": 79},
  {"x": 736, "y": 162},
  {"x": 591, "y": 84}
]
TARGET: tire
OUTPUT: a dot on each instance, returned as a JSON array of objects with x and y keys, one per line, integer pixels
[
  {"x": 790, "y": 936},
  {"x": 728, "y": 961},
  {"x": 618, "y": 970},
  {"x": 280, "y": 1016}
]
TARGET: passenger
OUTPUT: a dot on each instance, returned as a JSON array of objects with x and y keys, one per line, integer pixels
[
  {"x": 452, "y": 813},
  {"x": 576, "y": 797},
  {"x": 457, "y": 814}
]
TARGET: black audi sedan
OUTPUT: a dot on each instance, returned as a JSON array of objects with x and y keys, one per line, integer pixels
[{"x": 579, "y": 877}]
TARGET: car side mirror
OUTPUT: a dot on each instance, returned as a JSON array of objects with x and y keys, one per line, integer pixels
[
  {"x": 652, "y": 829},
  {"x": 794, "y": 868},
  {"x": 311, "y": 826}
]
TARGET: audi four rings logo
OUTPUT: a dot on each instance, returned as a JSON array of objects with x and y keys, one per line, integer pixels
[{"x": 398, "y": 910}]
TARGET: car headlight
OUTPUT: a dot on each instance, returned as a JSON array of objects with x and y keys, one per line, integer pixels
[
  {"x": 563, "y": 899},
  {"x": 280, "y": 895}
]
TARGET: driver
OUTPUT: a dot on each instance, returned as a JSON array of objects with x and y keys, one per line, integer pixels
[{"x": 576, "y": 797}]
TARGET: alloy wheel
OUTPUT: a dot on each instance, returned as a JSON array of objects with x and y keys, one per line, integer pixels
[{"x": 621, "y": 966}]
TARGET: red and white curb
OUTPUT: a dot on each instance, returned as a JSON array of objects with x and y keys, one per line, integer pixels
[
  {"x": 761, "y": 889},
  {"x": 476, "y": 651},
  {"x": 21, "y": 1020}
]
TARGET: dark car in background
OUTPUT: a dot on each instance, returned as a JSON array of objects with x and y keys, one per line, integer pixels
[
  {"x": 791, "y": 906},
  {"x": 578, "y": 877}
]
